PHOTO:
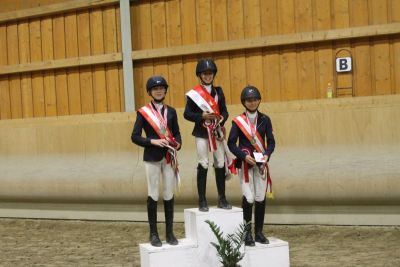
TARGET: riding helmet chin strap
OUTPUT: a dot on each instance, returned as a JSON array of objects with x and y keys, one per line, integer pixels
[
  {"x": 204, "y": 83},
  {"x": 158, "y": 101}
]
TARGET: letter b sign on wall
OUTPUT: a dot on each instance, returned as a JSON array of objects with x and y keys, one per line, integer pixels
[{"x": 343, "y": 64}]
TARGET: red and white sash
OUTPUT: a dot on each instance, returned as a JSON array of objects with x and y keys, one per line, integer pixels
[
  {"x": 204, "y": 100},
  {"x": 207, "y": 103},
  {"x": 250, "y": 131},
  {"x": 159, "y": 124},
  {"x": 157, "y": 121}
]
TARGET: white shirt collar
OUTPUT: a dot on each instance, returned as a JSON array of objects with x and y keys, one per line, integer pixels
[{"x": 208, "y": 88}]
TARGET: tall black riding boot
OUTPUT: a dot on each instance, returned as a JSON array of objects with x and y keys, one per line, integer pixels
[
  {"x": 259, "y": 213},
  {"x": 220, "y": 180},
  {"x": 152, "y": 217},
  {"x": 201, "y": 187},
  {"x": 247, "y": 212},
  {"x": 169, "y": 220}
]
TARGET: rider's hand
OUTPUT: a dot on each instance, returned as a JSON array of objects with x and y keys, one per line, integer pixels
[
  {"x": 159, "y": 142},
  {"x": 250, "y": 160},
  {"x": 209, "y": 116}
]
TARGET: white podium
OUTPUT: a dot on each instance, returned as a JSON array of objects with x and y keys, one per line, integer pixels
[
  {"x": 275, "y": 254},
  {"x": 196, "y": 251},
  {"x": 181, "y": 255}
]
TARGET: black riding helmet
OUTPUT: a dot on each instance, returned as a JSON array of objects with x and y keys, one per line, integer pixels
[
  {"x": 156, "y": 81},
  {"x": 205, "y": 64},
  {"x": 250, "y": 92}
]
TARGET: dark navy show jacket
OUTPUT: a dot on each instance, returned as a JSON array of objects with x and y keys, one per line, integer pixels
[
  {"x": 264, "y": 128},
  {"x": 193, "y": 112},
  {"x": 152, "y": 152}
]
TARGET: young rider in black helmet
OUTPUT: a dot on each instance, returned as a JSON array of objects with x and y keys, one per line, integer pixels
[
  {"x": 251, "y": 128},
  {"x": 206, "y": 107},
  {"x": 162, "y": 140}
]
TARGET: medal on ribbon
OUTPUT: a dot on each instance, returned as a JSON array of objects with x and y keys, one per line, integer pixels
[{"x": 163, "y": 130}]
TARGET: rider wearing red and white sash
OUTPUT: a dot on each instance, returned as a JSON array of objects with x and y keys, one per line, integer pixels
[
  {"x": 251, "y": 128},
  {"x": 206, "y": 107},
  {"x": 163, "y": 139}
]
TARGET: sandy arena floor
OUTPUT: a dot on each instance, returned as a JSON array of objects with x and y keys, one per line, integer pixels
[{"x": 97, "y": 243}]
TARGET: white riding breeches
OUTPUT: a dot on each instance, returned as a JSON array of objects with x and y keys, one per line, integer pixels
[
  {"x": 156, "y": 171},
  {"x": 203, "y": 153},
  {"x": 256, "y": 187}
]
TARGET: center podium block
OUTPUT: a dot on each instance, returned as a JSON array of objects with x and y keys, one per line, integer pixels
[
  {"x": 196, "y": 250},
  {"x": 200, "y": 232}
]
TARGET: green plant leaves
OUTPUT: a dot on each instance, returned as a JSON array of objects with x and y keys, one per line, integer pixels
[{"x": 228, "y": 248}]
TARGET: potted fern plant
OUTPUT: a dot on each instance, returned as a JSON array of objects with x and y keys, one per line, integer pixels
[{"x": 228, "y": 247}]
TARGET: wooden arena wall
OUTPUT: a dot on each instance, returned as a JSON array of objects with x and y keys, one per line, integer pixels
[
  {"x": 284, "y": 72},
  {"x": 66, "y": 60},
  {"x": 65, "y": 52}
]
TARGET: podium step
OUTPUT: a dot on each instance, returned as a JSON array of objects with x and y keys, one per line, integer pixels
[
  {"x": 196, "y": 250},
  {"x": 181, "y": 255},
  {"x": 275, "y": 254}
]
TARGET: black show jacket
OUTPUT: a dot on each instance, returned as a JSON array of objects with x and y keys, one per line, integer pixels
[
  {"x": 193, "y": 112},
  {"x": 152, "y": 152},
  {"x": 264, "y": 128}
]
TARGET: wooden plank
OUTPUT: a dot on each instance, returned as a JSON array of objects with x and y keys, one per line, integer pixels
[
  {"x": 362, "y": 55},
  {"x": 252, "y": 29},
  {"x": 305, "y": 53},
  {"x": 49, "y": 86},
  {"x": 288, "y": 64},
  {"x": 13, "y": 58},
  {"x": 158, "y": 26},
  {"x": 159, "y": 36},
  {"x": 189, "y": 37},
  {"x": 220, "y": 33},
  {"x": 136, "y": 26},
  {"x": 189, "y": 22},
  {"x": 118, "y": 31},
  {"x": 324, "y": 55},
  {"x": 85, "y": 75},
  {"x": 269, "y": 41},
  {"x": 342, "y": 20},
  {"x": 203, "y": 21},
  {"x": 61, "y": 75},
  {"x": 175, "y": 66},
  {"x": 26, "y": 79},
  {"x": 395, "y": 17},
  {"x": 121, "y": 86},
  {"x": 62, "y": 63},
  {"x": 110, "y": 30},
  {"x": 5, "y": 109},
  {"x": 5, "y": 105},
  {"x": 120, "y": 67},
  {"x": 237, "y": 60},
  {"x": 46, "y": 10},
  {"x": 381, "y": 55},
  {"x": 269, "y": 19},
  {"x": 37, "y": 77},
  {"x": 110, "y": 45},
  {"x": 74, "y": 90},
  {"x": 97, "y": 47},
  {"x": 271, "y": 90}
]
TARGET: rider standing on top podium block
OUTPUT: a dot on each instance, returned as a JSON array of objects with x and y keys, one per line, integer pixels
[{"x": 206, "y": 107}]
